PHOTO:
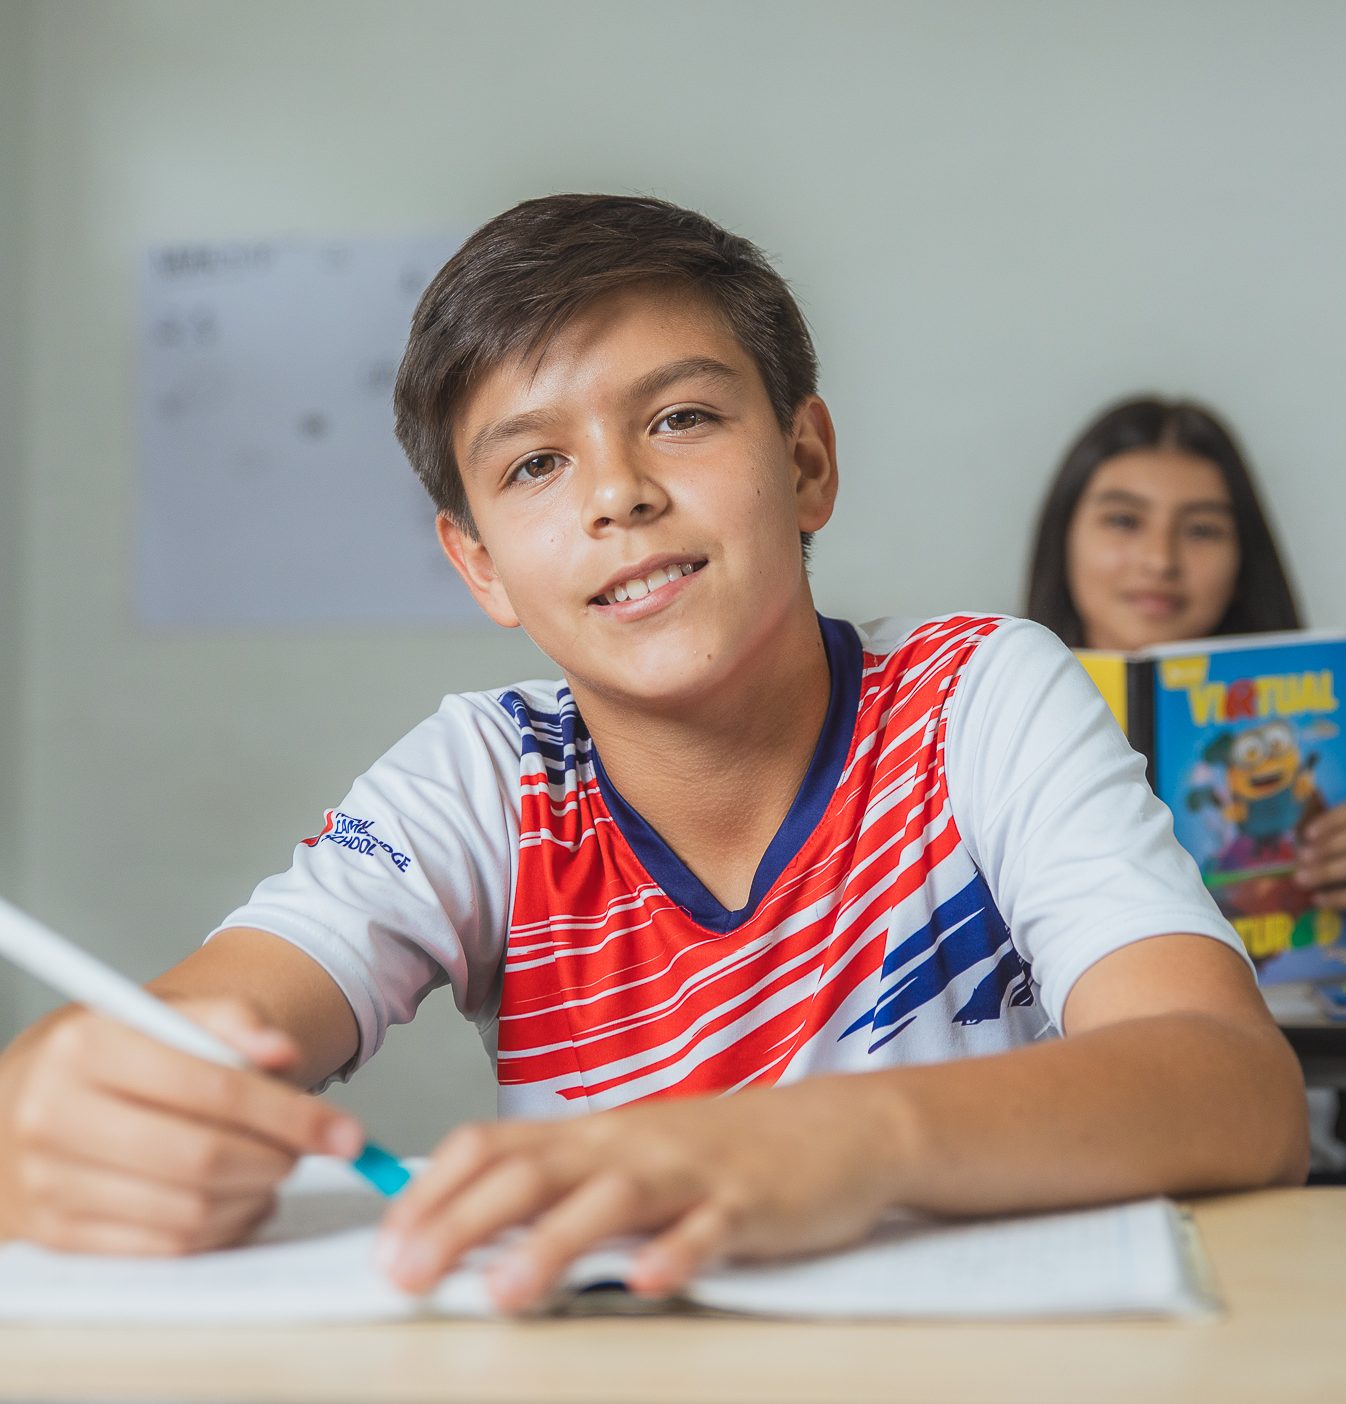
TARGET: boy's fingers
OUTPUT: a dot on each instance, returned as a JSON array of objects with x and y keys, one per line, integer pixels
[
  {"x": 68, "y": 1233},
  {"x": 668, "y": 1262},
  {"x": 231, "y": 1221},
  {"x": 71, "y": 1235},
  {"x": 171, "y": 1219},
  {"x": 602, "y": 1207},
  {"x": 243, "y": 1029},
  {"x": 89, "y": 1192},
  {"x": 130, "y": 1064},
  {"x": 459, "y": 1158},
  {"x": 511, "y": 1191},
  {"x": 152, "y": 1144},
  {"x": 86, "y": 1190}
]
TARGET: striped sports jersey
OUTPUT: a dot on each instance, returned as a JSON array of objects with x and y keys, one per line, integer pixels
[
  {"x": 625, "y": 979},
  {"x": 971, "y": 835}
]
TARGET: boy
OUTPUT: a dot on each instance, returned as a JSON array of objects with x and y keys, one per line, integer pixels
[{"x": 740, "y": 849}]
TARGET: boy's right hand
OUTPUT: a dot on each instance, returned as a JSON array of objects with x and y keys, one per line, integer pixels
[{"x": 111, "y": 1142}]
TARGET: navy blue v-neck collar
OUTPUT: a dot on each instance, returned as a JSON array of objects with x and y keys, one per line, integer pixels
[{"x": 844, "y": 654}]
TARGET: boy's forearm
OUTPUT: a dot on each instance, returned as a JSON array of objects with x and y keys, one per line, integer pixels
[
  {"x": 287, "y": 989},
  {"x": 1172, "y": 1104}
]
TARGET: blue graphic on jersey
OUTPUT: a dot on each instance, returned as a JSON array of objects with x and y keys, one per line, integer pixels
[{"x": 963, "y": 932}]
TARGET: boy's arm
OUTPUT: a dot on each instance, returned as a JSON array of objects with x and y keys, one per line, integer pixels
[
  {"x": 1173, "y": 1079},
  {"x": 286, "y": 989},
  {"x": 109, "y": 1141},
  {"x": 112, "y": 1142}
]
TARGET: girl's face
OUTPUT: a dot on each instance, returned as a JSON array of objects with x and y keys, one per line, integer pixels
[{"x": 1152, "y": 551}]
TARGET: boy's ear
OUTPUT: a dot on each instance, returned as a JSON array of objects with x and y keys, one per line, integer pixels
[
  {"x": 814, "y": 453},
  {"x": 470, "y": 558}
]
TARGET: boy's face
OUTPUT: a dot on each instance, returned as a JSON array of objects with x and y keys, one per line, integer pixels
[{"x": 638, "y": 506}]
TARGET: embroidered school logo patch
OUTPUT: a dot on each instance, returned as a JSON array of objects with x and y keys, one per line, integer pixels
[{"x": 357, "y": 835}]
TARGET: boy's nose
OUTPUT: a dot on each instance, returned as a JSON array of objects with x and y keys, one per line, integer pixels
[{"x": 621, "y": 493}]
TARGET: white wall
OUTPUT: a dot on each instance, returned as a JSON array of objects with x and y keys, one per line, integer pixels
[
  {"x": 14, "y": 30},
  {"x": 998, "y": 216}
]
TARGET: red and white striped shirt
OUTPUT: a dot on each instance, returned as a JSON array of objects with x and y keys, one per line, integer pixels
[{"x": 972, "y": 833}]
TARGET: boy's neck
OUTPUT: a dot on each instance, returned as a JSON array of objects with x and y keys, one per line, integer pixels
[{"x": 687, "y": 771}]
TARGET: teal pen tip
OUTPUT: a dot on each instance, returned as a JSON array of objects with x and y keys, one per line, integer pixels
[{"x": 381, "y": 1168}]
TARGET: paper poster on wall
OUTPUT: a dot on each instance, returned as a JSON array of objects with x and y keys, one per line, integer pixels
[{"x": 272, "y": 490}]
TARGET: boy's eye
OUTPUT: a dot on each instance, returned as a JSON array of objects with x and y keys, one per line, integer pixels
[
  {"x": 534, "y": 467},
  {"x": 679, "y": 421}
]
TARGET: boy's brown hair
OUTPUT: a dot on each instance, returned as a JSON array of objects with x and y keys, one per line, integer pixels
[{"x": 523, "y": 275}]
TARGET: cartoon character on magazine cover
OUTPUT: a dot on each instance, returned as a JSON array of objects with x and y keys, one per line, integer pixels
[{"x": 1269, "y": 793}]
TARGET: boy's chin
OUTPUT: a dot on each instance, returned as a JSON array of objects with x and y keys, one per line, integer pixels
[
  {"x": 649, "y": 696},
  {"x": 654, "y": 687}
]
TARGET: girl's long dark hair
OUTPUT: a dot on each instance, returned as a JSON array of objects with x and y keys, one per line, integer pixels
[{"x": 1263, "y": 599}]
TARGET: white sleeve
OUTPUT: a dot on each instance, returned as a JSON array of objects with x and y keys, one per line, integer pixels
[
  {"x": 1056, "y": 812},
  {"x": 409, "y": 883}
]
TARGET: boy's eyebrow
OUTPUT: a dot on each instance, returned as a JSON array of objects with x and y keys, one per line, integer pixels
[
  {"x": 529, "y": 422},
  {"x": 651, "y": 383},
  {"x": 1120, "y": 495},
  {"x": 702, "y": 367}
]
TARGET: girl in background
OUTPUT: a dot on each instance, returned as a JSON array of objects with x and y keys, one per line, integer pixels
[{"x": 1152, "y": 531}]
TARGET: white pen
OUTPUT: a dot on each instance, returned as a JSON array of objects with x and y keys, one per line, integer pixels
[{"x": 85, "y": 979}]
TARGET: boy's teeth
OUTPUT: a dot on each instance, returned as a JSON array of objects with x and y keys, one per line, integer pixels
[{"x": 637, "y": 588}]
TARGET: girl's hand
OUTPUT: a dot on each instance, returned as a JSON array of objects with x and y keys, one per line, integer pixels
[
  {"x": 758, "y": 1174},
  {"x": 1322, "y": 859}
]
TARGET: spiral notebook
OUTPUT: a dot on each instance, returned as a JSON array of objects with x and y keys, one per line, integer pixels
[{"x": 312, "y": 1263}]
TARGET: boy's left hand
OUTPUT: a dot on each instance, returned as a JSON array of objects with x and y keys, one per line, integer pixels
[
  {"x": 1322, "y": 859},
  {"x": 761, "y": 1173}
]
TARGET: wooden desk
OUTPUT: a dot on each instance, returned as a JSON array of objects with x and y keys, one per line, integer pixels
[{"x": 1279, "y": 1258}]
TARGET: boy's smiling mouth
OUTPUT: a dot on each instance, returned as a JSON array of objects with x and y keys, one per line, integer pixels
[{"x": 647, "y": 581}]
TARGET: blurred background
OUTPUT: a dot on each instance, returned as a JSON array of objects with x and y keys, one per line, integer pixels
[{"x": 997, "y": 215}]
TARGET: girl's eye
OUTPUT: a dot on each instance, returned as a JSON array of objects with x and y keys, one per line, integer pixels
[
  {"x": 1208, "y": 531},
  {"x": 679, "y": 421},
  {"x": 534, "y": 468},
  {"x": 1122, "y": 521}
]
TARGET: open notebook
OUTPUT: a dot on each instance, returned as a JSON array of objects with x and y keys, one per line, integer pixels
[{"x": 311, "y": 1262}]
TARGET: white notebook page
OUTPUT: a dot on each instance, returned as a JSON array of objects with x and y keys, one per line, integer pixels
[{"x": 313, "y": 1262}]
